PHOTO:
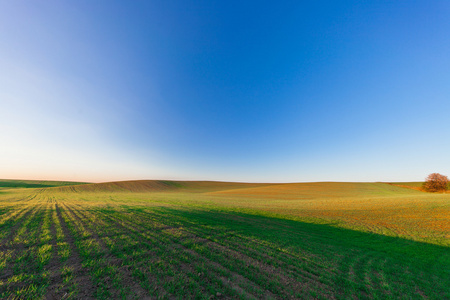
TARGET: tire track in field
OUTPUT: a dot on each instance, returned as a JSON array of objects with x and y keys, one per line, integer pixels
[
  {"x": 235, "y": 284},
  {"x": 367, "y": 273},
  {"x": 363, "y": 268},
  {"x": 124, "y": 271},
  {"x": 360, "y": 274},
  {"x": 384, "y": 284},
  {"x": 82, "y": 279}
]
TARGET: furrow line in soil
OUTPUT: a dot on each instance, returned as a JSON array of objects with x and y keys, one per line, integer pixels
[
  {"x": 54, "y": 290},
  {"x": 287, "y": 261},
  {"x": 23, "y": 260},
  {"x": 82, "y": 279},
  {"x": 300, "y": 283},
  {"x": 124, "y": 271},
  {"x": 10, "y": 213},
  {"x": 297, "y": 265},
  {"x": 18, "y": 222},
  {"x": 145, "y": 239},
  {"x": 175, "y": 246}
]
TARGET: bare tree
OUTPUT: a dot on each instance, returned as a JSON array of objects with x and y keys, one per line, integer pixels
[{"x": 436, "y": 182}]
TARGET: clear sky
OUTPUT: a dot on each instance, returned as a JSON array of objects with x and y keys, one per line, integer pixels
[{"x": 273, "y": 91}]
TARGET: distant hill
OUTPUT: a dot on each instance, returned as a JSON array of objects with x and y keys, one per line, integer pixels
[
  {"x": 236, "y": 189},
  {"x": 409, "y": 185},
  {"x": 158, "y": 186},
  {"x": 317, "y": 189},
  {"x": 219, "y": 188},
  {"x": 11, "y": 183}
]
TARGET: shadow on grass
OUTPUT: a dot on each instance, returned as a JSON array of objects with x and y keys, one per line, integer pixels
[
  {"x": 290, "y": 232},
  {"x": 371, "y": 264}
]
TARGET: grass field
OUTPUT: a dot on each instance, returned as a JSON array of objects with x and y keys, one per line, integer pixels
[{"x": 203, "y": 240}]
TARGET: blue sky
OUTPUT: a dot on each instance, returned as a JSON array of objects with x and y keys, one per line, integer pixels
[{"x": 223, "y": 90}]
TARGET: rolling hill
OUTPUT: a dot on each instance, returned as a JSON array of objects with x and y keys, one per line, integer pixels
[
  {"x": 153, "y": 239},
  {"x": 144, "y": 186}
]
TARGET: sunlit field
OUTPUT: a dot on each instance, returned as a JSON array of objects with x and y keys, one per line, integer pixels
[{"x": 203, "y": 240}]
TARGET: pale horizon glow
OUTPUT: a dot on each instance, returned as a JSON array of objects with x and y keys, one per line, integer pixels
[{"x": 206, "y": 90}]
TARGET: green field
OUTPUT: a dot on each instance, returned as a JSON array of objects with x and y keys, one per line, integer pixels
[{"x": 203, "y": 240}]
